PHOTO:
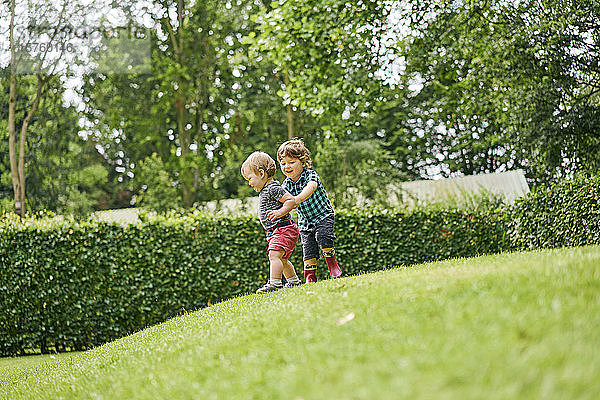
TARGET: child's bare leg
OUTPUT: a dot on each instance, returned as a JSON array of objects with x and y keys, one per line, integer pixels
[
  {"x": 276, "y": 264},
  {"x": 290, "y": 274},
  {"x": 288, "y": 269},
  {"x": 275, "y": 270}
]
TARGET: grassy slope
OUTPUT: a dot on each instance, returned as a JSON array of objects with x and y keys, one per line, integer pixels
[{"x": 509, "y": 326}]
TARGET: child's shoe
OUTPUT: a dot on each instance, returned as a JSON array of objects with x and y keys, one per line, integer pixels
[
  {"x": 290, "y": 284},
  {"x": 268, "y": 287}
]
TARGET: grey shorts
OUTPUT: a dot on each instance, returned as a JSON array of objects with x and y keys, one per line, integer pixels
[{"x": 318, "y": 236}]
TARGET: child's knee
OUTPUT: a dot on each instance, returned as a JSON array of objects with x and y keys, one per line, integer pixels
[
  {"x": 325, "y": 239},
  {"x": 276, "y": 255}
]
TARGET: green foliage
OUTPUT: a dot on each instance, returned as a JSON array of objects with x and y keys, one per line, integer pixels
[
  {"x": 331, "y": 51},
  {"x": 566, "y": 213},
  {"x": 207, "y": 104},
  {"x": 64, "y": 173},
  {"x": 373, "y": 239},
  {"x": 355, "y": 169},
  {"x": 432, "y": 88},
  {"x": 159, "y": 192},
  {"x": 500, "y": 86},
  {"x": 68, "y": 285}
]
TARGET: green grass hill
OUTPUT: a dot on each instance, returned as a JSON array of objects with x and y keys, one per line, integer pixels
[{"x": 509, "y": 326}]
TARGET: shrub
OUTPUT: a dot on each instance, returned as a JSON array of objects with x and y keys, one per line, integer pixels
[
  {"x": 374, "y": 239},
  {"x": 66, "y": 285},
  {"x": 566, "y": 213}
]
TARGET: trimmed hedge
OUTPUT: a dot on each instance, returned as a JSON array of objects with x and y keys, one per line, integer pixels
[
  {"x": 372, "y": 240},
  {"x": 73, "y": 286},
  {"x": 566, "y": 213},
  {"x": 68, "y": 285}
]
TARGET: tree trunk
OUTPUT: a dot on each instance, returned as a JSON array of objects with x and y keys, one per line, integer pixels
[
  {"x": 176, "y": 36},
  {"x": 184, "y": 142},
  {"x": 12, "y": 99},
  {"x": 189, "y": 192},
  {"x": 38, "y": 94},
  {"x": 11, "y": 144},
  {"x": 17, "y": 156}
]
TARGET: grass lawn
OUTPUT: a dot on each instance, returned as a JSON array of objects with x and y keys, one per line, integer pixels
[
  {"x": 16, "y": 368},
  {"x": 512, "y": 326}
]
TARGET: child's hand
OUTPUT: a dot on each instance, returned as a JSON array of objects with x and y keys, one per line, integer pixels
[{"x": 273, "y": 214}]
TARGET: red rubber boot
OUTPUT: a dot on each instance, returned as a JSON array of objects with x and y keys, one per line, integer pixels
[
  {"x": 334, "y": 268},
  {"x": 310, "y": 275}
]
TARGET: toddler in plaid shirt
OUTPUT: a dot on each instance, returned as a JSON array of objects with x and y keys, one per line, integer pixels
[{"x": 315, "y": 214}]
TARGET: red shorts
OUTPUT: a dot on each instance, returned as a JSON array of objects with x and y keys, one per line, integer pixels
[{"x": 284, "y": 239}]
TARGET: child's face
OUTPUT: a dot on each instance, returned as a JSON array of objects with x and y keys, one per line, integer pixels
[
  {"x": 291, "y": 167},
  {"x": 257, "y": 181}
]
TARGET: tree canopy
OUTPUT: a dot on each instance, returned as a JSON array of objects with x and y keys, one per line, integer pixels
[
  {"x": 502, "y": 86},
  {"x": 381, "y": 91}
]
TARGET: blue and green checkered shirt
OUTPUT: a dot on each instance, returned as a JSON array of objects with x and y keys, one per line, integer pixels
[{"x": 312, "y": 210}]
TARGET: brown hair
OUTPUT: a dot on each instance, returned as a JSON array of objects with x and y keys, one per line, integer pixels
[
  {"x": 259, "y": 161},
  {"x": 295, "y": 148}
]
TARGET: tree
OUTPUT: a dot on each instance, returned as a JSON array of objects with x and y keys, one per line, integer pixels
[
  {"x": 67, "y": 174},
  {"x": 230, "y": 107},
  {"x": 356, "y": 171},
  {"x": 64, "y": 173},
  {"x": 333, "y": 54},
  {"x": 499, "y": 86},
  {"x": 33, "y": 52},
  {"x": 186, "y": 102},
  {"x": 329, "y": 51}
]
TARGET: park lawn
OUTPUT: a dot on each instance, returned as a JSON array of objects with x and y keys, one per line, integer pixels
[
  {"x": 16, "y": 368},
  {"x": 510, "y": 326}
]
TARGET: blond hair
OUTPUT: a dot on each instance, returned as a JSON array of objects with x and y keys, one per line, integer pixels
[
  {"x": 295, "y": 148},
  {"x": 260, "y": 161}
]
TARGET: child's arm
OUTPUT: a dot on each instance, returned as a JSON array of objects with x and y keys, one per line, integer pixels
[
  {"x": 288, "y": 205},
  {"x": 308, "y": 190}
]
